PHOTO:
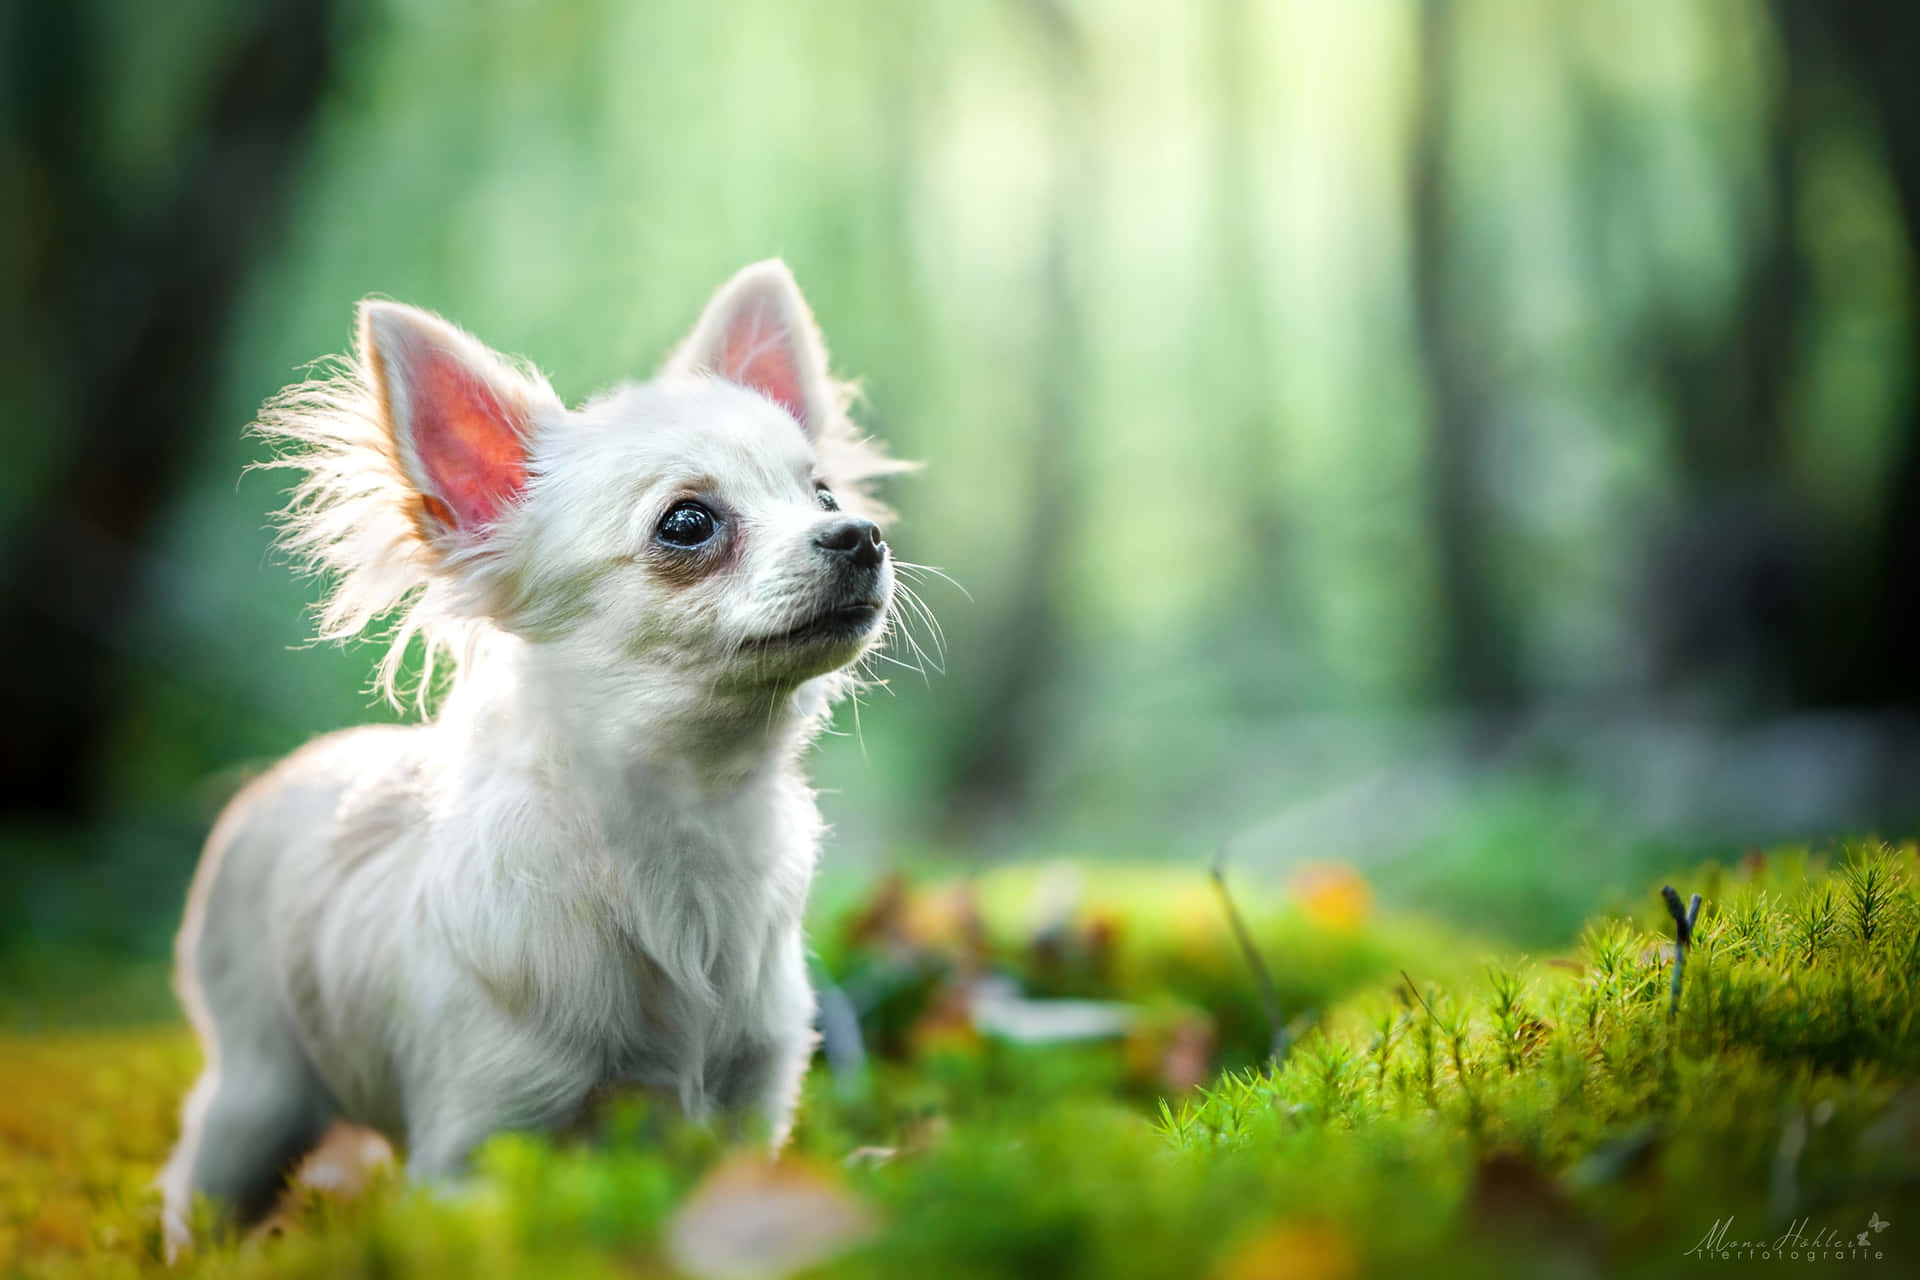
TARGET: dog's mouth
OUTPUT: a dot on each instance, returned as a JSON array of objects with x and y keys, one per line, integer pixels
[{"x": 840, "y": 624}]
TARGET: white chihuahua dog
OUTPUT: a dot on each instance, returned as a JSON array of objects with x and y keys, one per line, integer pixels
[{"x": 589, "y": 868}]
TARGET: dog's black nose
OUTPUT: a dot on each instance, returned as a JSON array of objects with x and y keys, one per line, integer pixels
[{"x": 858, "y": 540}]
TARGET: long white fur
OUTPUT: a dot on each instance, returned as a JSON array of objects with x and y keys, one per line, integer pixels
[{"x": 589, "y": 866}]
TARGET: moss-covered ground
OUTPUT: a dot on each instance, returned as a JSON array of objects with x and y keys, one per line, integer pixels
[{"x": 1440, "y": 1105}]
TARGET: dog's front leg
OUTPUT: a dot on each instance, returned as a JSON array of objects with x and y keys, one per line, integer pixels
[
  {"x": 459, "y": 1112},
  {"x": 759, "y": 1081},
  {"x": 438, "y": 1153},
  {"x": 761, "y": 1086}
]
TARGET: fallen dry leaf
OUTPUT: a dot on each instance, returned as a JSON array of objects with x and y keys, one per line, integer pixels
[
  {"x": 1171, "y": 1053},
  {"x": 758, "y": 1217}
]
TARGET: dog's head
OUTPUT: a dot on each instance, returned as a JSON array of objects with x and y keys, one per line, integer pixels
[{"x": 712, "y": 522}]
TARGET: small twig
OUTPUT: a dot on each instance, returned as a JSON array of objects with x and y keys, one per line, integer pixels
[
  {"x": 1262, "y": 976},
  {"x": 1423, "y": 1000},
  {"x": 1683, "y": 921}
]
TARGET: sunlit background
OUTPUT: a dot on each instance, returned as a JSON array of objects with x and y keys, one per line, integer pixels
[{"x": 1471, "y": 442}]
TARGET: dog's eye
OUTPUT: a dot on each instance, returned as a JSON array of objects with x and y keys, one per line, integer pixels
[
  {"x": 825, "y": 497},
  {"x": 688, "y": 524}
]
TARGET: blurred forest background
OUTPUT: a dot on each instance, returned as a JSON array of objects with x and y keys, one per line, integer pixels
[{"x": 1472, "y": 440}]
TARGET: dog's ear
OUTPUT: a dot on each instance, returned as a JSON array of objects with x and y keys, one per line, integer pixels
[
  {"x": 758, "y": 332},
  {"x": 458, "y": 414}
]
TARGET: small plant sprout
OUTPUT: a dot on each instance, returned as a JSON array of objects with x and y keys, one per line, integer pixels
[
  {"x": 1814, "y": 926},
  {"x": 1507, "y": 1005},
  {"x": 1380, "y": 1050},
  {"x": 1750, "y": 926},
  {"x": 1870, "y": 885}
]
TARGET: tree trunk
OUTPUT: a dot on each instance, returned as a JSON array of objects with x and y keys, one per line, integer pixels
[
  {"x": 1477, "y": 659},
  {"x": 1878, "y": 42},
  {"x": 1005, "y": 731},
  {"x": 1240, "y": 343},
  {"x": 129, "y": 312}
]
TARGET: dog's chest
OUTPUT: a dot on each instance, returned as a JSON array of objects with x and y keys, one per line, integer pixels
[
  {"x": 692, "y": 937},
  {"x": 679, "y": 1035}
]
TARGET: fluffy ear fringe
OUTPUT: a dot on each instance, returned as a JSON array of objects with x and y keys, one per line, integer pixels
[{"x": 355, "y": 520}]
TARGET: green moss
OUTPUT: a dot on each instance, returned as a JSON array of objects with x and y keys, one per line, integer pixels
[
  {"x": 1485, "y": 1112},
  {"x": 1776, "y": 1088}
]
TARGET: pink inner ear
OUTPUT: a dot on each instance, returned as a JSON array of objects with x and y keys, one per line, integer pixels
[
  {"x": 758, "y": 352},
  {"x": 469, "y": 443}
]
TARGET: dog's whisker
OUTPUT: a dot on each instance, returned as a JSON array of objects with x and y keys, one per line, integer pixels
[
  {"x": 904, "y": 666},
  {"x": 929, "y": 570},
  {"x": 935, "y": 633},
  {"x": 859, "y": 735},
  {"x": 896, "y": 628},
  {"x": 905, "y": 632},
  {"x": 920, "y": 655},
  {"x": 914, "y": 599}
]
